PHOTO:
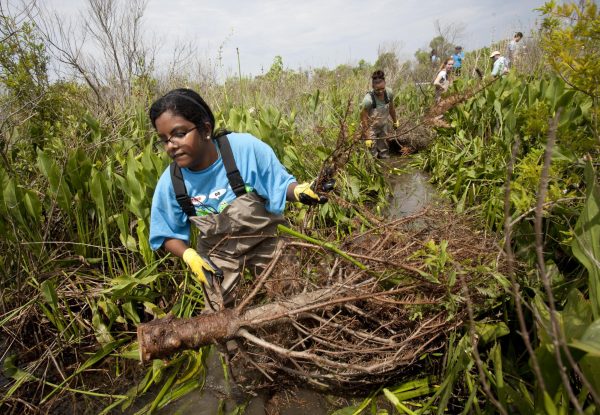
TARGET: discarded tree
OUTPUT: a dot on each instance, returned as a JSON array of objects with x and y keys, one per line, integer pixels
[{"x": 327, "y": 321}]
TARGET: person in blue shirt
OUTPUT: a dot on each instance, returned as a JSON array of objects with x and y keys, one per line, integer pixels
[
  {"x": 236, "y": 231},
  {"x": 458, "y": 57}
]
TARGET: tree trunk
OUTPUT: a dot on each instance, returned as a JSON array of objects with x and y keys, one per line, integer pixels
[{"x": 163, "y": 337}]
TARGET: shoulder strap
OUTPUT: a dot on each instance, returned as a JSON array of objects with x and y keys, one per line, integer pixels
[
  {"x": 386, "y": 99},
  {"x": 181, "y": 195},
  {"x": 233, "y": 174}
]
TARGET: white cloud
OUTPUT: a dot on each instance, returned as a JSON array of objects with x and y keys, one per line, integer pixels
[{"x": 320, "y": 32}]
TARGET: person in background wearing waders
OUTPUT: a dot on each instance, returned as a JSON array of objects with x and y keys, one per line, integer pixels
[
  {"x": 500, "y": 67},
  {"x": 513, "y": 50},
  {"x": 376, "y": 109},
  {"x": 231, "y": 186},
  {"x": 458, "y": 57},
  {"x": 443, "y": 79}
]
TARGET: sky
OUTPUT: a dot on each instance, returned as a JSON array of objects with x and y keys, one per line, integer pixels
[{"x": 318, "y": 33}]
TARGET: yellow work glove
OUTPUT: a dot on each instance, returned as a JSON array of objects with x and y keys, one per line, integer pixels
[
  {"x": 396, "y": 124},
  {"x": 369, "y": 143},
  {"x": 306, "y": 195},
  {"x": 198, "y": 265}
]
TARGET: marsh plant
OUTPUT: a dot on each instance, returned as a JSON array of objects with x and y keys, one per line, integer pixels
[{"x": 78, "y": 168}]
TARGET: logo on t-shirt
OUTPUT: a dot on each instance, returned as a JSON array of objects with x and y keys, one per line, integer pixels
[
  {"x": 198, "y": 200},
  {"x": 217, "y": 194}
]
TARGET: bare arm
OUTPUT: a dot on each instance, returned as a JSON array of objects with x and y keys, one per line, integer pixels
[
  {"x": 175, "y": 246},
  {"x": 289, "y": 194}
]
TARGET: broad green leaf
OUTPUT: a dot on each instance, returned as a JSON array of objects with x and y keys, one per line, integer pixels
[
  {"x": 131, "y": 351},
  {"x": 521, "y": 398},
  {"x": 400, "y": 407},
  {"x": 55, "y": 176},
  {"x": 498, "y": 109},
  {"x": 110, "y": 309},
  {"x": 49, "y": 293},
  {"x": 488, "y": 332},
  {"x": 33, "y": 207},
  {"x": 592, "y": 349},
  {"x": 549, "y": 404},
  {"x": 130, "y": 312},
  {"x": 11, "y": 370},
  {"x": 544, "y": 331},
  {"x": 586, "y": 244},
  {"x": 414, "y": 389},
  {"x": 590, "y": 340},
  {"x": 12, "y": 199},
  {"x": 78, "y": 170},
  {"x": 576, "y": 315},
  {"x": 549, "y": 368},
  {"x": 565, "y": 99},
  {"x": 101, "y": 331}
]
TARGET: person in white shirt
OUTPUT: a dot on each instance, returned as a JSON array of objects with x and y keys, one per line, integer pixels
[
  {"x": 500, "y": 67},
  {"x": 513, "y": 49},
  {"x": 443, "y": 79}
]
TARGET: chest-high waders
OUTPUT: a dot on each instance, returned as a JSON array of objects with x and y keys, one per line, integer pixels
[
  {"x": 380, "y": 125},
  {"x": 243, "y": 235}
]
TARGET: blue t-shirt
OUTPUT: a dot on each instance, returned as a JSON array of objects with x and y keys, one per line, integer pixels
[
  {"x": 210, "y": 191},
  {"x": 458, "y": 58}
]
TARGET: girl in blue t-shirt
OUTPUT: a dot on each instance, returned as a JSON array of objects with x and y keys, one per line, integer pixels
[{"x": 236, "y": 231}]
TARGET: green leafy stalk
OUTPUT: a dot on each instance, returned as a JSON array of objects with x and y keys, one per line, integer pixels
[{"x": 323, "y": 244}]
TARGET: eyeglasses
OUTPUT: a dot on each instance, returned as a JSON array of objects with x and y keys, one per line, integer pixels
[{"x": 176, "y": 136}]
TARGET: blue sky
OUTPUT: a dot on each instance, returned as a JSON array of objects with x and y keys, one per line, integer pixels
[{"x": 315, "y": 33}]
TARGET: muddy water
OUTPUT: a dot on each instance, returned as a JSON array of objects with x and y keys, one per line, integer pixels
[
  {"x": 410, "y": 192},
  {"x": 410, "y": 189},
  {"x": 220, "y": 396}
]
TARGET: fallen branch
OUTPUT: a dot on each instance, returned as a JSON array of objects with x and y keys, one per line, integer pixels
[{"x": 330, "y": 321}]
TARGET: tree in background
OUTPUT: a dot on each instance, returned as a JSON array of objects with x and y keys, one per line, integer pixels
[
  {"x": 571, "y": 39},
  {"x": 387, "y": 60},
  {"x": 23, "y": 79},
  {"x": 447, "y": 36},
  {"x": 443, "y": 43},
  {"x": 104, "y": 47}
]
